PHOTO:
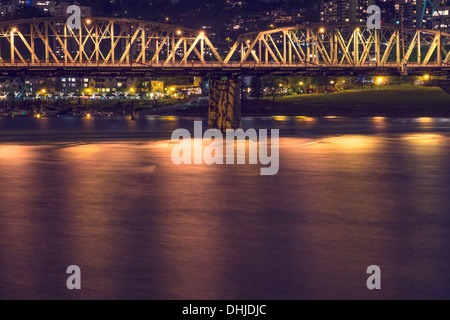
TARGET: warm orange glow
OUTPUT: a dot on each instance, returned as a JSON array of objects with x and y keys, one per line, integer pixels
[
  {"x": 301, "y": 83},
  {"x": 322, "y": 30},
  {"x": 202, "y": 34},
  {"x": 280, "y": 118},
  {"x": 169, "y": 118},
  {"x": 351, "y": 142},
  {"x": 88, "y": 115},
  {"x": 14, "y": 29},
  {"x": 424, "y": 138},
  {"x": 38, "y": 116},
  {"x": 426, "y": 77},
  {"x": 425, "y": 119},
  {"x": 179, "y": 32},
  {"x": 88, "y": 21},
  {"x": 305, "y": 119},
  {"x": 19, "y": 153},
  {"x": 43, "y": 91}
]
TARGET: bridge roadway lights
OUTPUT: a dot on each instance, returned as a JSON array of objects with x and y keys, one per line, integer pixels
[{"x": 224, "y": 104}]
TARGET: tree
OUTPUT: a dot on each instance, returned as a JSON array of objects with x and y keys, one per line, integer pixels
[
  {"x": 256, "y": 87},
  {"x": 274, "y": 85},
  {"x": 204, "y": 86}
]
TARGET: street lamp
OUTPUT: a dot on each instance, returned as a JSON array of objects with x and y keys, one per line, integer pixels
[
  {"x": 301, "y": 83},
  {"x": 322, "y": 30},
  {"x": 426, "y": 77}
]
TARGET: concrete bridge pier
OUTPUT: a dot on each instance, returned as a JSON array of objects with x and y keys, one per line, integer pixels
[{"x": 224, "y": 104}]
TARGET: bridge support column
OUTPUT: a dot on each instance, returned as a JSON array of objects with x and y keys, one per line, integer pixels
[{"x": 224, "y": 104}]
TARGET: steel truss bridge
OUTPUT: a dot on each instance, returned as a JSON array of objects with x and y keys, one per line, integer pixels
[{"x": 108, "y": 46}]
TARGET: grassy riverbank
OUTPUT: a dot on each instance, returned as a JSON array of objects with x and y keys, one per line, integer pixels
[
  {"x": 401, "y": 101},
  {"x": 390, "y": 101},
  {"x": 390, "y": 96}
]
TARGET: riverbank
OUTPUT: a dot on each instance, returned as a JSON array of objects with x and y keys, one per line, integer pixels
[
  {"x": 387, "y": 101},
  {"x": 394, "y": 101}
]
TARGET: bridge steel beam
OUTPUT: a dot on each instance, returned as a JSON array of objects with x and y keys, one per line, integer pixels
[
  {"x": 51, "y": 41},
  {"x": 343, "y": 45}
]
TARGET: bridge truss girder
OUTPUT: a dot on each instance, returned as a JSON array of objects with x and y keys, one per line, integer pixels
[
  {"x": 102, "y": 40},
  {"x": 342, "y": 45}
]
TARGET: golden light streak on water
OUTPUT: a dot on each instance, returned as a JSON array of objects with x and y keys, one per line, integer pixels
[{"x": 280, "y": 118}]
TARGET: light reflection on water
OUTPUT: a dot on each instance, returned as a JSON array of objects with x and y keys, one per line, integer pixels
[{"x": 141, "y": 227}]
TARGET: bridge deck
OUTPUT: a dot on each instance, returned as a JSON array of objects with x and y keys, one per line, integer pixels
[{"x": 216, "y": 68}]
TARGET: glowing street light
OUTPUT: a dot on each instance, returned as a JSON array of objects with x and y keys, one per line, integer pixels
[
  {"x": 88, "y": 21},
  {"x": 179, "y": 32},
  {"x": 202, "y": 34},
  {"x": 14, "y": 29},
  {"x": 322, "y": 30},
  {"x": 426, "y": 77},
  {"x": 43, "y": 91},
  {"x": 380, "y": 80},
  {"x": 301, "y": 83},
  {"x": 331, "y": 82}
]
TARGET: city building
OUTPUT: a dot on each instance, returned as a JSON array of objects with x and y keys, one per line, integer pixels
[
  {"x": 47, "y": 6},
  {"x": 442, "y": 18},
  {"x": 23, "y": 2},
  {"x": 7, "y": 10},
  {"x": 72, "y": 46},
  {"x": 411, "y": 11},
  {"x": 335, "y": 11}
]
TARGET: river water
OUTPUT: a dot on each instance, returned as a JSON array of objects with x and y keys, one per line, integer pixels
[{"x": 104, "y": 194}]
